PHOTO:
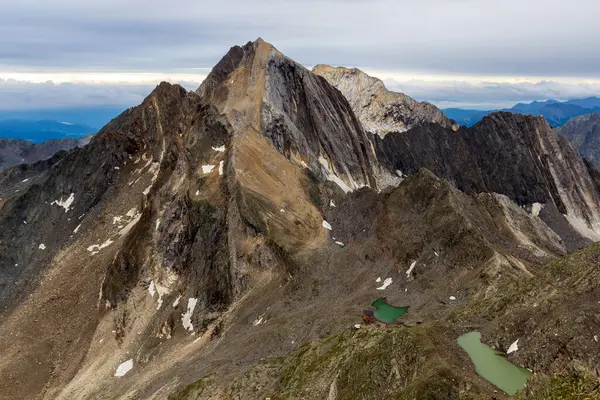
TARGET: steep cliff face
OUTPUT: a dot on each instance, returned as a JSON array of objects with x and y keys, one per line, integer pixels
[
  {"x": 584, "y": 134},
  {"x": 519, "y": 156},
  {"x": 380, "y": 110},
  {"x": 303, "y": 117}
]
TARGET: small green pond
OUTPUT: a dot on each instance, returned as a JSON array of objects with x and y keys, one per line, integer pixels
[
  {"x": 387, "y": 313},
  {"x": 493, "y": 366}
]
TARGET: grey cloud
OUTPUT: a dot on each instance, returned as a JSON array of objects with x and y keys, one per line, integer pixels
[
  {"x": 491, "y": 95},
  {"x": 19, "y": 95},
  {"x": 512, "y": 37}
]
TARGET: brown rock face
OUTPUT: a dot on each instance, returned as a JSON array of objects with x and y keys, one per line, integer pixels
[{"x": 378, "y": 109}]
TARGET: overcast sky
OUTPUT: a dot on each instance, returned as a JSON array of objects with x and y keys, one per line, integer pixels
[{"x": 476, "y": 53}]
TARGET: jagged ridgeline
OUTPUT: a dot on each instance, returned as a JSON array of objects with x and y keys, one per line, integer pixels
[{"x": 225, "y": 243}]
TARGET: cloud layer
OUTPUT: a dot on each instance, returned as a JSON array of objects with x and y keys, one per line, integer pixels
[
  {"x": 477, "y": 38},
  {"x": 508, "y": 37}
]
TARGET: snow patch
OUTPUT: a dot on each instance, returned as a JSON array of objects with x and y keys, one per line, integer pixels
[
  {"x": 536, "y": 208},
  {"x": 95, "y": 248},
  {"x": 331, "y": 176},
  {"x": 399, "y": 173},
  {"x": 207, "y": 169},
  {"x": 386, "y": 283},
  {"x": 326, "y": 225},
  {"x": 66, "y": 204},
  {"x": 453, "y": 298},
  {"x": 220, "y": 149},
  {"x": 117, "y": 219},
  {"x": 221, "y": 167},
  {"x": 186, "y": 318},
  {"x": 130, "y": 225},
  {"x": 340, "y": 244},
  {"x": 77, "y": 229},
  {"x": 513, "y": 347},
  {"x": 582, "y": 227},
  {"x": 331, "y": 203},
  {"x": 42, "y": 246},
  {"x": 410, "y": 269},
  {"x": 124, "y": 368},
  {"x": 158, "y": 289},
  {"x": 378, "y": 280},
  {"x": 147, "y": 190},
  {"x": 176, "y": 302},
  {"x": 25, "y": 180}
]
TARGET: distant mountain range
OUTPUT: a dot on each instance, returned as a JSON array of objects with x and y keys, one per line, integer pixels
[
  {"x": 18, "y": 151},
  {"x": 95, "y": 117},
  {"x": 584, "y": 134},
  {"x": 556, "y": 113},
  {"x": 41, "y": 131}
]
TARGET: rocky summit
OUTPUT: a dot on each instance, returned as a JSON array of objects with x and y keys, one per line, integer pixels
[
  {"x": 381, "y": 111},
  {"x": 242, "y": 242}
]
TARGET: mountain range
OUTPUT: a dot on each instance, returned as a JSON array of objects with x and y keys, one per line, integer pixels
[
  {"x": 555, "y": 112},
  {"x": 584, "y": 134},
  {"x": 225, "y": 243},
  {"x": 17, "y": 151},
  {"x": 41, "y": 131}
]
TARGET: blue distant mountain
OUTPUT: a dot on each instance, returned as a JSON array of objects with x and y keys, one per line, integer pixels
[
  {"x": 95, "y": 117},
  {"x": 556, "y": 113},
  {"x": 41, "y": 131},
  {"x": 465, "y": 116}
]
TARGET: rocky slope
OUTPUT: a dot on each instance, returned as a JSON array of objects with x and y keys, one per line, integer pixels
[
  {"x": 228, "y": 239},
  {"x": 380, "y": 110},
  {"x": 584, "y": 134},
  {"x": 17, "y": 151}
]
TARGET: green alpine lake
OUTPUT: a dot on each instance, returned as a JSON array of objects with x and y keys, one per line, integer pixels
[
  {"x": 387, "y": 313},
  {"x": 493, "y": 366}
]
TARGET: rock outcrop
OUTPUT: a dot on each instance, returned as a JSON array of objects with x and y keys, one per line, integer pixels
[
  {"x": 584, "y": 134},
  {"x": 380, "y": 110}
]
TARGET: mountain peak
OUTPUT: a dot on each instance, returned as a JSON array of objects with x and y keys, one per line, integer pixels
[{"x": 381, "y": 111}]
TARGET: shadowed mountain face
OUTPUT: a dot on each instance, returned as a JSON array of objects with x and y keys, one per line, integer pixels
[
  {"x": 518, "y": 156},
  {"x": 584, "y": 134},
  {"x": 228, "y": 238}
]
